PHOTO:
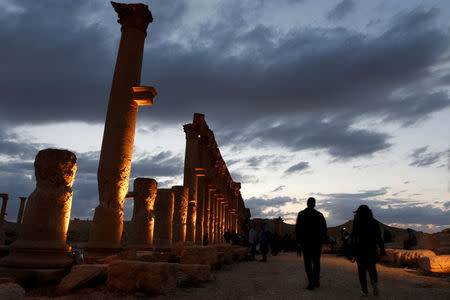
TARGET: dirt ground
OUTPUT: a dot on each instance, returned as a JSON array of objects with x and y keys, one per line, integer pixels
[{"x": 283, "y": 277}]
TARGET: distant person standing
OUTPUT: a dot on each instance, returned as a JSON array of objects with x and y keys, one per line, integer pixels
[
  {"x": 366, "y": 235},
  {"x": 311, "y": 232},
  {"x": 252, "y": 240}
]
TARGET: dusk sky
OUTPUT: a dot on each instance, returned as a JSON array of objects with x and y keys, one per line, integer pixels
[{"x": 347, "y": 101}]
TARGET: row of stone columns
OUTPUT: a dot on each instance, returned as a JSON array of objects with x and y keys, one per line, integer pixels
[
  {"x": 214, "y": 198},
  {"x": 159, "y": 215},
  {"x": 5, "y": 198}
]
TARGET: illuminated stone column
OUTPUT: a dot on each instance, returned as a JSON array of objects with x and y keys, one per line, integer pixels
[
  {"x": 190, "y": 180},
  {"x": 118, "y": 136},
  {"x": 201, "y": 201},
  {"x": 180, "y": 212},
  {"x": 216, "y": 217},
  {"x": 20, "y": 212},
  {"x": 163, "y": 219},
  {"x": 209, "y": 225},
  {"x": 143, "y": 220},
  {"x": 41, "y": 241}
]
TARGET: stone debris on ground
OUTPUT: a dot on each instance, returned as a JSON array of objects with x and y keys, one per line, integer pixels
[
  {"x": 139, "y": 276},
  {"x": 435, "y": 264},
  {"x": 11, "y": 291},
  {"x": 80, "y": 275},
  {"x": 204, "y": 255},
  {"x": 410, "y": 258}
]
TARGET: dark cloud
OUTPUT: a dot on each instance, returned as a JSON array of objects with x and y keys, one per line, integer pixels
[
  {"x": 342, "y": 9},
  {"x": 164, "y": 163},
  {"x": 301, "y": 166},
  {"x": 262, "y": 208},
  {"x": 278, "y": 188},
  {"x": 422, "y": 158},
  {"x": 307, "y": 71},
  {"x": 340, "y": 208},
  {"x": 334, "y": 136},
  {"x": 447, "y": 204}
]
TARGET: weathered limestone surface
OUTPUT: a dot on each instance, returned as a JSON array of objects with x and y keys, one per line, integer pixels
[
  {"x": 180, "y": 212},
  {"x": 118, "y": 136},
  {"x": 193, "y": 273},
  {"x": 163, "y": 219},
  {"x": 80, "y": 275},
  {"x": 142, "y": 223},
  {"x": 239, "y": 253},
  {"x": 204, "y": 255},
  {"x": 133, "y": 276},
  {"x": 227, "y": 250},
  {"x": 435, "y": 264},
  {"x": 11, "y": 291},
  {"x": 42, "y": 240},
  {"x": 402, "y": 257}
]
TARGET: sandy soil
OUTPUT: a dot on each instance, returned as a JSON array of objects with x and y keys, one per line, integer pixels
[{"x": 283, "y": 277}]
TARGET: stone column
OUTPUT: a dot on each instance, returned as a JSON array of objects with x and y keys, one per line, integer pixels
[
  {"x": 3, "y": 211},
  {"x": 216, "y": 218},
  {"x": 143, "y": 220},
  {"x": 118, "y": 136},
  {"x": 190, "y": 179},
  {"x": 41, "y": 241},
  {"x": 210, "y": 213},
  {"x": 201, "y": 197},
  {"x": 163, "y": 219},
  {"x": 20, "y": 212},
  {"x": 180, "y": 211}
]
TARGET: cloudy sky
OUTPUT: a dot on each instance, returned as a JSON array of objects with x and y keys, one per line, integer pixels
[{"x": 347, "y": 101}]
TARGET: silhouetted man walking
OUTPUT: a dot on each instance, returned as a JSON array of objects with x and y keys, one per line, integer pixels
[{"x": 311, "y": 231}]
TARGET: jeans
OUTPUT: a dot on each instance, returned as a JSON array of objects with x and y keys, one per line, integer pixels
[
  {"x": 363, "y": 268},
  {"x": 311, "y": 257}
]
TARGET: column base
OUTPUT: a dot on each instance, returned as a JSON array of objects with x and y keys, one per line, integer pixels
[
  {"x": 99, "y": 250},
  {"x": 38, "y": 255}
]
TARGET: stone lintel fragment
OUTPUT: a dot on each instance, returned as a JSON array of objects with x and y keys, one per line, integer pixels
[{"x": 143, "y": 95}]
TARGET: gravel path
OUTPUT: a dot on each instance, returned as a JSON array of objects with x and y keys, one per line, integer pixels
[{"x": 283, "y": 277}]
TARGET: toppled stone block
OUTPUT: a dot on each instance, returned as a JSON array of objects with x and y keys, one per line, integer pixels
[
  {"x": 227, "y": 250},
  {"x": 240, "y": 253},
  {"x": 193, "y": 273},
  {"x": 435, "y": 264},
  {"x": 11, "y": 291},
  {"x": 134, "y": 276},
  {"x": 80, "y": 275},
  {"x": 402, "y": 257},
  {"x": 204, "y": 255}
]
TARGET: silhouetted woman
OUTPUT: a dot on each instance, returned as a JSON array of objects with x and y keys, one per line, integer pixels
[{"x": 366, "y": 236}]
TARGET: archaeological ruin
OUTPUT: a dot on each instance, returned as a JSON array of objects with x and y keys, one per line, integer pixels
[{"x": 184, "y": 224}]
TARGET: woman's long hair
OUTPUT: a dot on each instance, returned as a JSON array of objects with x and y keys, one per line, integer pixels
[{"x": 363, "y": 214}]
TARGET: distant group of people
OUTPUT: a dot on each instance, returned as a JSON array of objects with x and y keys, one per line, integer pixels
[{"x": 362, "y": 243}]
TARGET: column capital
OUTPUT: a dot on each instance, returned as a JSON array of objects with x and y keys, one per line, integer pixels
[
  {"x": 133, "y": 15},
  {"x": 191, "y": 131}
]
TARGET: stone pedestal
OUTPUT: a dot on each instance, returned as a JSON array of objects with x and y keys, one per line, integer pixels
[
  {"x": 163, "y": 219},
  {"x": 118, "y": 136},
  {"x": 180, "y": 212},
  {"x": 20, "y": 212},
  {"x": 41, "y": 241},
  {"x": 142, "y": 223}
]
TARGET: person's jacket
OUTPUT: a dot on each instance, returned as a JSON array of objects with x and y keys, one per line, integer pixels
[
  {"x": 311, "y": 228},
  {"x": 366, "y": 236}
]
